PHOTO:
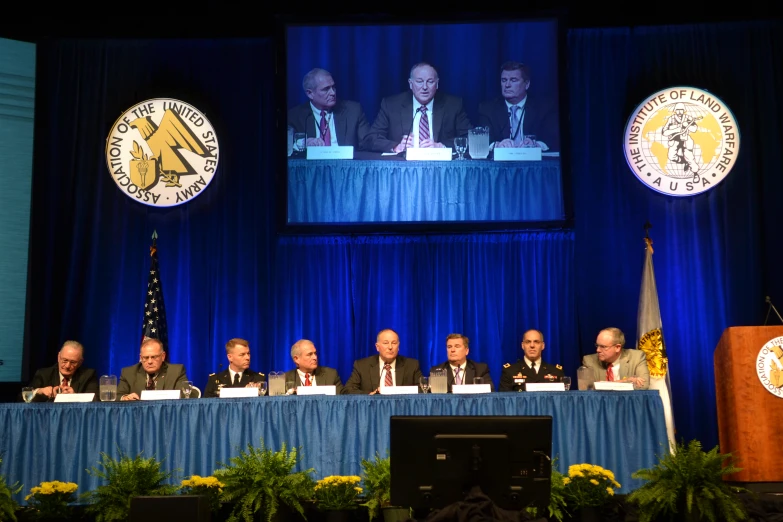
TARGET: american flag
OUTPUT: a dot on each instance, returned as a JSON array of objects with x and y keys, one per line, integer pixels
[{"x": 154, "y": 325}]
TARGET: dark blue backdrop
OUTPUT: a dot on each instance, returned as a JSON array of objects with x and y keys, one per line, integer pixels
[{"x": 227, "y": 272}]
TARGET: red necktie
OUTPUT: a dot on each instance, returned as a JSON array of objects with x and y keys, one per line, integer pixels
[
  {"x": 65, "y": 382},
  {"x": 325, "y": 134},
  {"x": 307, "y": 380},
  {"x": 388, "y": 380},
  {"x": 150, "y": 383},
  {"x": 424, "y": 125},
  {"x": 609, "y": 373}
]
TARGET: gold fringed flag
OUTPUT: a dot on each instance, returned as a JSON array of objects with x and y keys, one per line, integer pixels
[{"x": 649, "y": 331}]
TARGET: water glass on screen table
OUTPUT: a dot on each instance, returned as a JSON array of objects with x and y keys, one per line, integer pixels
[{"x": 28, "y": 393}]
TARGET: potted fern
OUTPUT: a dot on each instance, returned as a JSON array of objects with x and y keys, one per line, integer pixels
[
  {"x": 260, "y": 481},
  {"x": 376, "y": 477},
  {"x": 7, "y": 503},
  {"x": 688, "y": 486},
  {"x": 125, "y": 478}
]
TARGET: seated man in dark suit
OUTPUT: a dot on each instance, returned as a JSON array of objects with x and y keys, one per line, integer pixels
[
  {"x": 388, "y": 368},
  {"x": 67, "y": 376},
  {"x": 531, "y": 367},
  {"x": 238, "y": 374},
  {"x": 152, "y": 372},
  {"x": 515, "y": 114},
  {"x": 308, "y": 372},
  {"x": 326, "y": 120},
  {"x": 612, "y": 362},
  {"x": 427, "y": 118},
  {"x": 460, "y": 369}
]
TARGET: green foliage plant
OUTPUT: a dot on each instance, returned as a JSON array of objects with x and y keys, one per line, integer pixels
[
  {"x": 7, "y": 503},
  {"x": 688, "y": 485},
  {"x": 125, "y": 478},
  {"x": 209, "y": 487},
  {"x": 259, "y": 480},
  {"x": 557, "y": 500},
  {"x": 337, "y": 492},
  {"x": 588, "y": 485},
  {"x": 376, "y": 477}
]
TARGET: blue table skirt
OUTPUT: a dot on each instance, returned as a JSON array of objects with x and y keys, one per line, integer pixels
[
  {"x": 372, "y": 191},
  {"x": 622, "y": 431}
]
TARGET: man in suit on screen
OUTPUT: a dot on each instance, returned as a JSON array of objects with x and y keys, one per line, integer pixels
[
  {"x": 460, "y": 369},
  {"x": 421, "y": 118},
  {"x": 516, "y": 114},
  {"x": 152, "y": 372},
  {"x": 308, "y": 372},
  {"x": 67, "y": 376},
  {"x": 238, "y": 374},
  {"x": 388, "y": 368},
  {"x": 612, "y": 362},
  {"x": 531, "y": 367},
  {"x": 325, "y": 119}
]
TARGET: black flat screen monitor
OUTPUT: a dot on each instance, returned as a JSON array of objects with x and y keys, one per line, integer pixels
[
  {"x": 368, "y": 103},
  {"x": 436, "y": 461}
]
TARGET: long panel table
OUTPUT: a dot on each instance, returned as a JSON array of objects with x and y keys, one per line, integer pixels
[
  {"x": 622, "y": 431},
  {"x": 369, "y": 191}
]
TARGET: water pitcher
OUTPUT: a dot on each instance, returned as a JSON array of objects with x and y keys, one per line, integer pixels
[
  {"x": 276, "y": 384},
  {"x": 439, "y": 381},
  {"x": 478, "y": 142},
  {"x": 585, "y": 378},
  {"x": 108, "y": 388}
]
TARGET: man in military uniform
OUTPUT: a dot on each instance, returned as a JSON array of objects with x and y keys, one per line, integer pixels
[
  {"x": 531, "y": 367},
  {"x": 238, "y": 374}
]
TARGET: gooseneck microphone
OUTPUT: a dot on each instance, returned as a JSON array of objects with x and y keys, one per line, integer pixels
[
  {"x": 404, "y": 152},
  {"x": 769, "y": 309}
]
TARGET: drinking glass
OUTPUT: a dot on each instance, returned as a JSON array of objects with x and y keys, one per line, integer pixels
[
  {"x": 530, "y": 141},
  {"x": 28, "y": 393},
  {"x": 460, "y": 146},
  {"x": 262, "y": 388},
  {"x": 290, "y": 387},
  {"x": 187, "y": 388},
  {"x": 567, "y": 383},
  {"x": 300, "y": 141},
  {"x": 108, "y": 388},
  {"x": 424, "y": 382},
  {"x": 290, "y": 141},
  {"x": 478, "y": 380}
]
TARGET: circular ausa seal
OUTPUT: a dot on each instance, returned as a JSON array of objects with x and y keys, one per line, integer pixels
[
  {"x": 681, "y": 141},
  {"x": 162, "y": 152},
  {"x": 769, "y": 366}
]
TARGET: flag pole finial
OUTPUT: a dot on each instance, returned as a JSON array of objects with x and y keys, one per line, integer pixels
[{"x": 154, "y": 247}]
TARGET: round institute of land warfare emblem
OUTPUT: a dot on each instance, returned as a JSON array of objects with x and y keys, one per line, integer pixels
[
  {"x": 162, "y": 152},
  {"x": 681, "y": 141},
  {"x": 769, "y": 366}
]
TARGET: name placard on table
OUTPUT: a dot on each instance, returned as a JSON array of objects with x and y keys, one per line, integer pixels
[
  {"x": 544, "y": 386},
  {"x": 330, "y": 153},
  {"x": 232, "y": 393},
  {"x": 158, "y": 395},
  {"x": 470, "y": 388},
  {"x": 317, "y": 390},
  {"x": 613, "y": 386},
  {"x": 517, "y": 154},
  {"x": 428, "y": 154},
  {"x": 399, "y": 390},
  {"x": 74, "y": 397}
]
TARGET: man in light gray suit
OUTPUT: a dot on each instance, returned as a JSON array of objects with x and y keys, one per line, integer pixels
[
  {"x": 151, "y": 373},
  {"x": 308, "y": 372},
  {"x": 614, "y": 363}
]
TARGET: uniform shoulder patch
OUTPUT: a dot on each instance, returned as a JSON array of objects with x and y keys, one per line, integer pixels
[
  {"x": 558, "y": 367},
  {"x": 507, "y": 365}
]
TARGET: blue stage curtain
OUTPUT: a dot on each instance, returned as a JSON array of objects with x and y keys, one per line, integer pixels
[
  {"x": 715, "y": 253},
  {"x": 340, "y": 291}
]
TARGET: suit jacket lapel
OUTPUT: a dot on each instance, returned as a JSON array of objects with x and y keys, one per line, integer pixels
[
  {"x": 406, "y": 118},
  {"x": 437, "y": 118},
  {"x": 340, "y": 127},
  {"x": 375, "y": 374},
  {"x": 624, "y": 364},
  {"x": 470, "y": 372},
  {"x": 505, "y": 123}
]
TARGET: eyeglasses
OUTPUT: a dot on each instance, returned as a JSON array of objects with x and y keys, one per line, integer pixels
[
  {"x": 602, "y": 347},
  {"x": 69, "y": 362},
  {"x": 145, "y": 358}
]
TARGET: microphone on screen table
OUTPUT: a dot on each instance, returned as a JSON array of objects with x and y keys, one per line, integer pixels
[{"x": 404, "y": 152}]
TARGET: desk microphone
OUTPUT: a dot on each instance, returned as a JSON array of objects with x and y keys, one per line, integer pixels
[
  {"x": 404, "y": 152},
  {"x": 771, "y": 307}
]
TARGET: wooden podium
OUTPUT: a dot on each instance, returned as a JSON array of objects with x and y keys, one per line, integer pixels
[{"x": 749, "y": 416}]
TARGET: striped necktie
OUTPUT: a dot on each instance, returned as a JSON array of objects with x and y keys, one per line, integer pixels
[
  {"x": 388, "y": 379},
  {"x": 424, "y": 125}
]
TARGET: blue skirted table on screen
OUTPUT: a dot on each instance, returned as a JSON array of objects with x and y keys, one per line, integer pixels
[
  {"x": 373, "y": 191},
  {"x": 622, "y": 431}
]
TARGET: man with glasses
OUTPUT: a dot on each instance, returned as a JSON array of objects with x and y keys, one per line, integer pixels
[
  {"x": 388, "y": 368},
  {"x": 151, "y": 373},
  {"x": 612, "y": 362},
  {"x": 423, "y": 118},
  {"x": 531, "y": 368},
  {"x": 67, "y": 376}
]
